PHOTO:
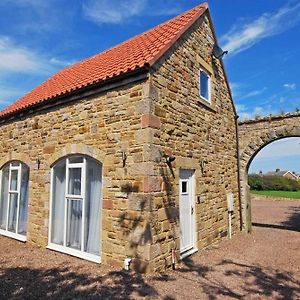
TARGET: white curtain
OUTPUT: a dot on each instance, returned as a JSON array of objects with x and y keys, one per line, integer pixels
[
  {"x": 93, "y": 196},
  {"x": 12, "y": 215},
  {"x": 74, "y": 187},
  {"x": 74, "y": 224},
  {"x": 23, "y": 201},
  {"x": 14, "y": 175},
  {"x": 91, "y": 220},
  {"x": 74, "y": 221},
  {"x": 58, "y": 202},
  {"x": 3, "y": 197}
]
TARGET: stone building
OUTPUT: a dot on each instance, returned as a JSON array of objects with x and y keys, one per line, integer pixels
[{"x": 129, "y": 153}]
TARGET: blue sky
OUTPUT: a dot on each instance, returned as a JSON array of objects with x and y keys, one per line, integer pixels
[
  {"x": 276, "y": 156},
  {"x": 37, "y": 38}
]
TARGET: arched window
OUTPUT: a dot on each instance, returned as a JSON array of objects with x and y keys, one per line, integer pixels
[
  {"x": 14, "y": 200},
  {"x": 75, "y": 207}
]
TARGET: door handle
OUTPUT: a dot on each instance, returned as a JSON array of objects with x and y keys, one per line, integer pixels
[{"x": 192, "y": 210}]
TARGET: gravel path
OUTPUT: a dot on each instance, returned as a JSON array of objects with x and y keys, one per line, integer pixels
[{"x": 261, "y": 265}]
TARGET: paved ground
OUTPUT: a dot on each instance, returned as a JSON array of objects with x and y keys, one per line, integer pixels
[{"x": 263, "y": 265}]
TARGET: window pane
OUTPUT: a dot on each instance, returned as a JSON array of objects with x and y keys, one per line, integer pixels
[
  {"x": 14, "y": 180},
  {"x": 58, "y": 203},
  {"x": 74, "y": 224},
  {"x": 204, "y": 80},
  {"x": 3, "y": 197},
  {"x": 74, "y": 186},
  {"x": 15, "y": 163},
  {"x": 184, "y": 187},
  {"x": 12, "y": 215},
  {"x": 74, "y": 205},
  {"x": 75, "y": 159},
  {"x": 92, "y": 207},
  {"x": 23, "y": 201}
]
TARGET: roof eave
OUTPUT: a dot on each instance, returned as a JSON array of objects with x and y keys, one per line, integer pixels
[{"x": 139, "y": 74}]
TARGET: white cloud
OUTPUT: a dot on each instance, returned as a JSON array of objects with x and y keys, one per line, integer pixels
[
  {"x": 117, "y": 12},
  {"x": 290, "y": 86},
  {"x": 258, "y": 111},
  {"x": 15, "y": 58},
  {"x": 253, "y": 93},
  {"x": 283, "y": 154},
  {"x": 242, "y": 37},
  {"x": 282, "y": 99},
  {"x": 8, "y": 92},
  {"x": 60, "y": 62},
  {"x": 112, "y": 11},
  {"x": 279, "y": 149},
  {"x": 38, "y": 15},
  {"x": 162, "y": 8},
  {"x": 240, "y": 107},
  {"x": 19, "y": 62},
  {"x": 244, "y": 116},
  {"x": 242, "y": 112},
  {"x": 246, "y": 113},
  {"x": 235, "y": 88}
]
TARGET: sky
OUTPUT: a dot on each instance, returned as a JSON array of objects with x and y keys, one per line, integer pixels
[
  {"x": 38, "y": 38},
  {"x": 276, "y": 156}
]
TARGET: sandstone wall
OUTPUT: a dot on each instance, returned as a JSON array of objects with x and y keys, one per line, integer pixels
[
  {"x": 200, "y": 135},
  {"x": 257, "y": 133},
  {"x": 102, "y": 127}
]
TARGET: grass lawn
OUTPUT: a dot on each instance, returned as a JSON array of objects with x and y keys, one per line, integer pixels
[{"x": 283, "y": 194}]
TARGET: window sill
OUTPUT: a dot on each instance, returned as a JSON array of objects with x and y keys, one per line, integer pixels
[
  {"x": 12, "y": 235},
  {"x": 207, "y": 104},
  {"x": 76, "y": 253}
]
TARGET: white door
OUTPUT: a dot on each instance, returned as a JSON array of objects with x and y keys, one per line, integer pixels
[{"x": 186, "y": 210}]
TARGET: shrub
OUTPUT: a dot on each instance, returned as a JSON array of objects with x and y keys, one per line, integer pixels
[{"x": 274, "y": 183}]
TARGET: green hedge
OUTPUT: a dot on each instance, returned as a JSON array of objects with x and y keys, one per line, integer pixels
[{"x": 272, "y": 183}]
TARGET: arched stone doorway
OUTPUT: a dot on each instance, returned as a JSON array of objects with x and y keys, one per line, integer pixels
[{"x": 253, "y": 136}]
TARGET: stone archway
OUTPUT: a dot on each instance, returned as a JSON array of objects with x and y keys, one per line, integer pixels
[{"x": 253, "y": 136}]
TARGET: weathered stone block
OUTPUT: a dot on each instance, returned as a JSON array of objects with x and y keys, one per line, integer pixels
[
  {"x": 165, "y": 225},
  {"x": 152, "y": 153},
  {"x": 144, "y": 136},
  {"x": 140, "y": 202},
  {"x": 150, "y": 120},
  {"x": 145, "y": 106},
  {"x": 49, "y": 149},
  {"x": 152, "y": 184},
  {"x": 141, "y": 169}
]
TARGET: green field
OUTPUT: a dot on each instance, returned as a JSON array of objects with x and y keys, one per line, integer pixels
[{"x": 280, "y": 194}]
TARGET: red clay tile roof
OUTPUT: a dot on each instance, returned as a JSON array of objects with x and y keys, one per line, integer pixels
[{"x": 137, "y": 52}]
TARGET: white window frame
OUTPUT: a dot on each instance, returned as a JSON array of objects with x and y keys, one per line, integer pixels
[
  {"x": 6, "y": 232},
  {"x": 187, "y": 187},
  {"x": 208, "y": 85},
  {"x": 69, "y": 197}
]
